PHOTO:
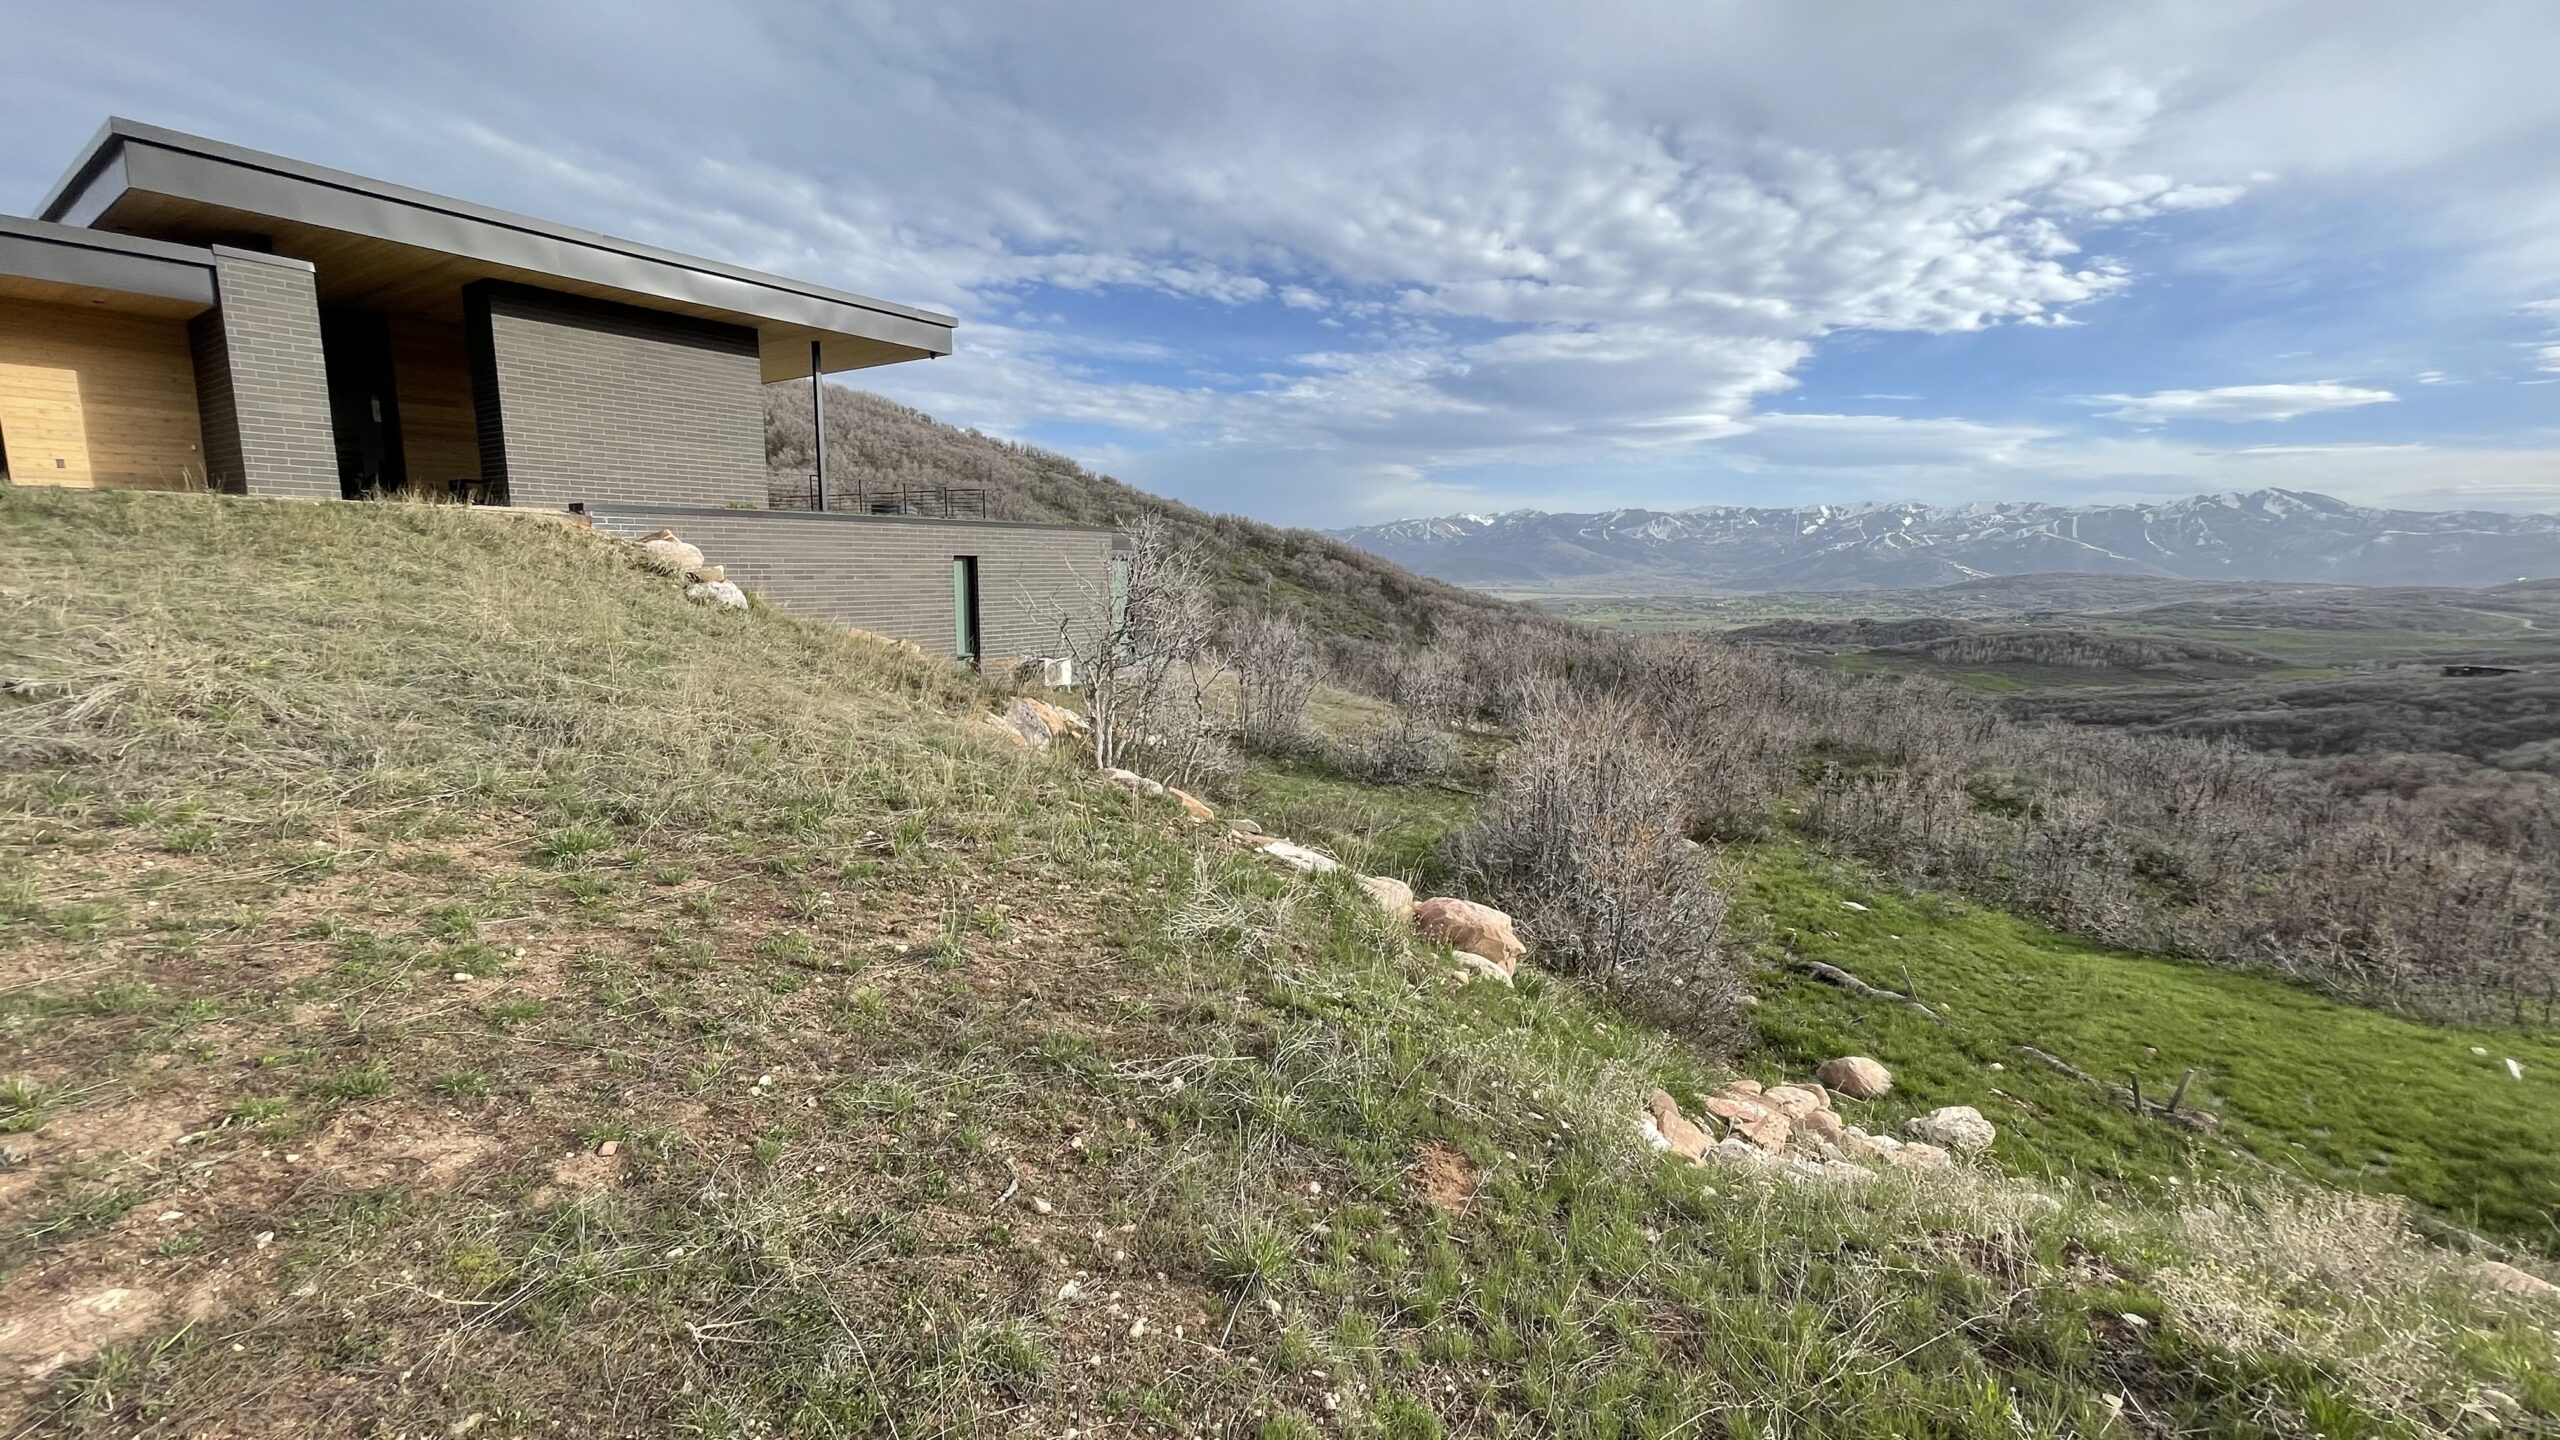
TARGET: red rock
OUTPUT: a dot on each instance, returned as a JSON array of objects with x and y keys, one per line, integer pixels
[
  {"x": 1686, "y": 1140},
  {"x": 1466, "y": 925}
]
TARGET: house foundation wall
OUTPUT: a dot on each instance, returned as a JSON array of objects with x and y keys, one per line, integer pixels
[{"x": 1043, "y": 590}]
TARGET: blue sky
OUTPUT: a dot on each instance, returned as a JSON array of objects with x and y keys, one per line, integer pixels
[{"x": 1332, "y": 263}]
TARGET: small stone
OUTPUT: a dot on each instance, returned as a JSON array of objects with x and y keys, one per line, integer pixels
[
  {"x": 461, "y": 977},
  {"x": 2138, "y": 1322},
  {"x": 1857, "y": 1076},
  {"x": 1957, "y": 1127},
  {"x": 1040, "y": 1206},
  {"x": 763, "y": 1081},
  {"x": 609, "y": 1147},
  {"x": 263, "y": 1239},
  {"x": 172, "y": 1216}
]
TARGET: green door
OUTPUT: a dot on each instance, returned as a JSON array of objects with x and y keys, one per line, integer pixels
[{"x": 964, "y": 607}]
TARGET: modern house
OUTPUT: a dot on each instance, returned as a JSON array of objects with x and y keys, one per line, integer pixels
[{"x": 187, "y": 314}]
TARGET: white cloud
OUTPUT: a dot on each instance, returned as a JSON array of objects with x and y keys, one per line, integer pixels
[
  {"x": 1586, "y": 241},
  {"x": 2233, "y": 404}
]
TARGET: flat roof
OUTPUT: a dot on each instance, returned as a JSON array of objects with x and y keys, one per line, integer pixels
[
  {"x": 66, "y": 265},
  {"x": 388, "y": 245}
]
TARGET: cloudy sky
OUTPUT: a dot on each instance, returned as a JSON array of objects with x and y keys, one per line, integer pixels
[{"x": 1337, "y": 262}]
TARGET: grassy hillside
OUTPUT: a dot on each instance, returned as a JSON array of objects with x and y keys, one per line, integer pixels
[
  {"x": 452, "y": 986},
  {"x": 2303, "y": 1085}
]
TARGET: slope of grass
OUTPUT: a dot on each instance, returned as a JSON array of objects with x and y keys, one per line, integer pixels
[
  {"x": 452, "y": 986},
  {"x": 2343, "y": 1095}
]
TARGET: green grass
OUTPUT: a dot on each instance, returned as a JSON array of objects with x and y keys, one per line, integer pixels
[
  {"x": 1383, "y": 830},
  {"x": 2343, "y": 1095},
  {"x": 2302, "y": 1084}
]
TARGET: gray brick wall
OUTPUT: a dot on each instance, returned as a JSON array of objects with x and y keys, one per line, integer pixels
[
  {"x": 584, "y": 401},
  {"x": 261, "y": 385},
  {"x": 892, "y": 574}
]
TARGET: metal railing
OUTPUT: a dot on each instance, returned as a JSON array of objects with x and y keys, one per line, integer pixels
[{"x": 937, "y": 502}]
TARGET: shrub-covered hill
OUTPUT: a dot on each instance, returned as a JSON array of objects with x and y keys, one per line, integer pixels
[
  {"x": 1356, "y": 602},
  {"x": 451, "y": 986}
]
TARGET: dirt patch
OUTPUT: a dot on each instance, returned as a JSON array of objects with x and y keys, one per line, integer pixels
[
  {"x": 1442, "y": 1176},
  {"x": 581, "y": 1174},
  {"x": 404, "y": 1144},
  {"x": 36, "y": 1342}
]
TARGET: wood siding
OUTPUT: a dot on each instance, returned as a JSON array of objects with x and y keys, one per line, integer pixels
[
  {"x": 431, "y": 371},
  {"x": 89, "y": 397}
]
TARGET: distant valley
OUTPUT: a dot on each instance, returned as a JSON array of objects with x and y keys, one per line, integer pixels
[{"x": 2264, "y": 535}]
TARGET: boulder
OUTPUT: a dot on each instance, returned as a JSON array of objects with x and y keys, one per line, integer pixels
[
  {"x": 1680, "y": 1135},
  {"x": 1024, "y": 724},
  {"x": 2507, "y": 1279},
  {"x": 1825, "y": 1125},
  {"x": 1960, "y": 1128},
  {"x": 719, "y": 592},
  {"x": 1133, "y": 781},
  {"x": 1733, "y": 1150},
  {"x": 671, "y": 554},
  {"x": 1858, "y": 1145},
  {"x": 1729, "y": 1106},
  {"x": 1917, "y": 1156},
  {"x": 1200, "y": 814},
  {"x": 706, "y": 574},
  {"x": 996, "y": 721},
  {"x": 1309, "y": 862},
  {"x": 1465, "y": 925},
  {"x": 1769, "y": 1132},
  {"x": 1392, "y": 895},
  {"x": 1744, "y": 1086},
  {"x": 1061, "y": 722},
  {"x": 1856, "y": 1076},
  {"x": 1793, "y": 1101},
  {"x": 1472, "y": 968}
]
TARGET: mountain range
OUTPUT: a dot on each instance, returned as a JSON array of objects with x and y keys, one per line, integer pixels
[{"x": 2261, "y": 535}]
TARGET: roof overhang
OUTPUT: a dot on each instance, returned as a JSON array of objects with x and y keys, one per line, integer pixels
[
  {"x": 390, "y": 247},
  {"x": 66, "y": 265}
]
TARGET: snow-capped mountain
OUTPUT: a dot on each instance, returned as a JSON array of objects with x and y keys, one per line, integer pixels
[{"x": 2262, "y": 535}]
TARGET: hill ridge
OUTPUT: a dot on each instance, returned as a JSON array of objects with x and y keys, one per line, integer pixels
[{"x": 2270, "y": 534}]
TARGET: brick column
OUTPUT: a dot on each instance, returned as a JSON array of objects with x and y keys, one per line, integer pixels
[{"x": 261, "y": 385}]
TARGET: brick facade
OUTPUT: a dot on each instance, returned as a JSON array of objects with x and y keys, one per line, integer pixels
[
  {"x": 261, "y": 385},
  {"x": 892, "y": 574},
  {"x": 581, "y": 400}
]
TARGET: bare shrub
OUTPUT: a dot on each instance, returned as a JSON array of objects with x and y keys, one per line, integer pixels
[
  {"x": 1426, "y": 686},
  {"x": 1583, "y": 844},
  {"x": 1148, "y": 674},
  {"x": 1275, "y": 664}
]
